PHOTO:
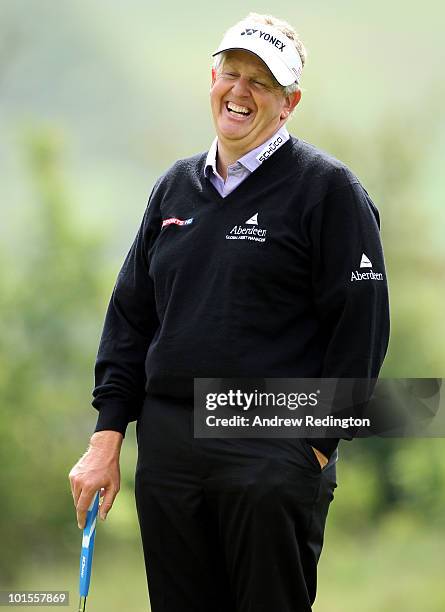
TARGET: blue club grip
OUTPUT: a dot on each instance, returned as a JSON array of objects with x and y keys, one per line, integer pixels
[{"x": 86, "y": 554}]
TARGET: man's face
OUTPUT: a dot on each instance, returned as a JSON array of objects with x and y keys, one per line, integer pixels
[{"x": 247, "y": 104}]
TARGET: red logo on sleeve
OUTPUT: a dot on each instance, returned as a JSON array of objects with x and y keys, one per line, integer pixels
[{"x": 176, "y": 221}]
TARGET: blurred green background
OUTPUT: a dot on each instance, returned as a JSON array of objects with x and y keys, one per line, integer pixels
[{"x": 97, "y": 98}]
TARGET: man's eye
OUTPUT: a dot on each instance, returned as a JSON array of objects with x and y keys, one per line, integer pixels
[{"x": 230, "y": 75}]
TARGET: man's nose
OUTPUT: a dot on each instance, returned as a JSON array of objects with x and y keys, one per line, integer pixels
[{"x": 241, "y": 87}]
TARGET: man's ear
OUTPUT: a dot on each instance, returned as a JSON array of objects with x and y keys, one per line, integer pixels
[
  {"x": 291, "y": 102},
  {"x": 213, "y": 75}
]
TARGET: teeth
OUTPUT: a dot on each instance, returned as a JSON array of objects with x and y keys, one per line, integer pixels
[{"x": 238, "y": 109}]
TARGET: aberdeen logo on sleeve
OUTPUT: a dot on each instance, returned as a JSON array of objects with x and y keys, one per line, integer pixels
[{"x": 365, "y": 262}]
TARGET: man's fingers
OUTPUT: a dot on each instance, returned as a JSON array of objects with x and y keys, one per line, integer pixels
[
  {"x": 322, "y": 459},
  {"x": 76, "y": 488},
  {"x": 109, "y": 497},
  {"x": 94, "y": 472},
  {"x": 85, "y": 499},
  {"x": 75, "y": 478}
]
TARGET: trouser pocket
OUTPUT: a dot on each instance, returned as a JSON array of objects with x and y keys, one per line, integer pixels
[{"x": 309, "y": 452}]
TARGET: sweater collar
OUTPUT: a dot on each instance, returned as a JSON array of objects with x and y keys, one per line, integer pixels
[{"x": 252, "y": 159}]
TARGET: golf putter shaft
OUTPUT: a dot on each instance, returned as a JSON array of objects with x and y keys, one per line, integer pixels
[{"x": 86, "y": 554}]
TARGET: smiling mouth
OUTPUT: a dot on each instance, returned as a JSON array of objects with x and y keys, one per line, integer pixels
[{"x": 239, "y": 111}]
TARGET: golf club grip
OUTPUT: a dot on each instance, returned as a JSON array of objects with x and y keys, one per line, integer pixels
[{"x": 86, "y": 554}]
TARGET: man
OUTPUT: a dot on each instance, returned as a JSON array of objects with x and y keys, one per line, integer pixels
[{"x": 244, "y": 266}]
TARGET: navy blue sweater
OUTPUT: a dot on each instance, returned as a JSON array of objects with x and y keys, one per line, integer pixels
[{"x": 284, "y": 277}]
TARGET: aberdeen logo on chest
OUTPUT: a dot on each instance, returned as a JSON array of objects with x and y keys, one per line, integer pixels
[{"x": 248, "y": 231}]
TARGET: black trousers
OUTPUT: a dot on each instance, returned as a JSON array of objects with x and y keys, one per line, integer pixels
[{"x": 228, "y": 525}]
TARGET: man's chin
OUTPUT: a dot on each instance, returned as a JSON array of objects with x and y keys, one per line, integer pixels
[{"x": 233, "y": 134}]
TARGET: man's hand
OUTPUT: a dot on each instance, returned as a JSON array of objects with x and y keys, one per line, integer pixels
[
  {"x": 97, "y": 469},
  {"x": 322, "y": 459}
]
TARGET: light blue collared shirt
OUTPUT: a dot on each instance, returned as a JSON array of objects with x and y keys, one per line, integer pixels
[{"x": 245, "y": 165}]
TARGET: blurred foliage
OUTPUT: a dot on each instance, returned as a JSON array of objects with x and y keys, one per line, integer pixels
[{"x": 51, "y": 306}]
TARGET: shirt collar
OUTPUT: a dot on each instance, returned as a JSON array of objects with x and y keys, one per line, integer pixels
[{"x": 250, "y": 160}]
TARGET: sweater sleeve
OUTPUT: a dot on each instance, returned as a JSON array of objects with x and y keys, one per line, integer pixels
[
  {"x": 130, "y": 324},
  {"x": 350, "y": 290}
]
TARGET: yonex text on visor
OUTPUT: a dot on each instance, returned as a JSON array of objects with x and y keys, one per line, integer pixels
[{"x": 269, "y": 44}]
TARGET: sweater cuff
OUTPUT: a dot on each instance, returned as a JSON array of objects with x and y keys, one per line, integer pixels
[
  {"x": 326, "y": 445},
  {"x": 111, "y": 417}
]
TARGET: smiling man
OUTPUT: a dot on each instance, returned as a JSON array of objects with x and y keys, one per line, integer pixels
[
  {"x": 246, "y": 264},
  {"x": 248, "y": 105}
]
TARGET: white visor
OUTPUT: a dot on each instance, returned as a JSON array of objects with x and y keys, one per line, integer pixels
[{"x": 269, "y": 44}]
